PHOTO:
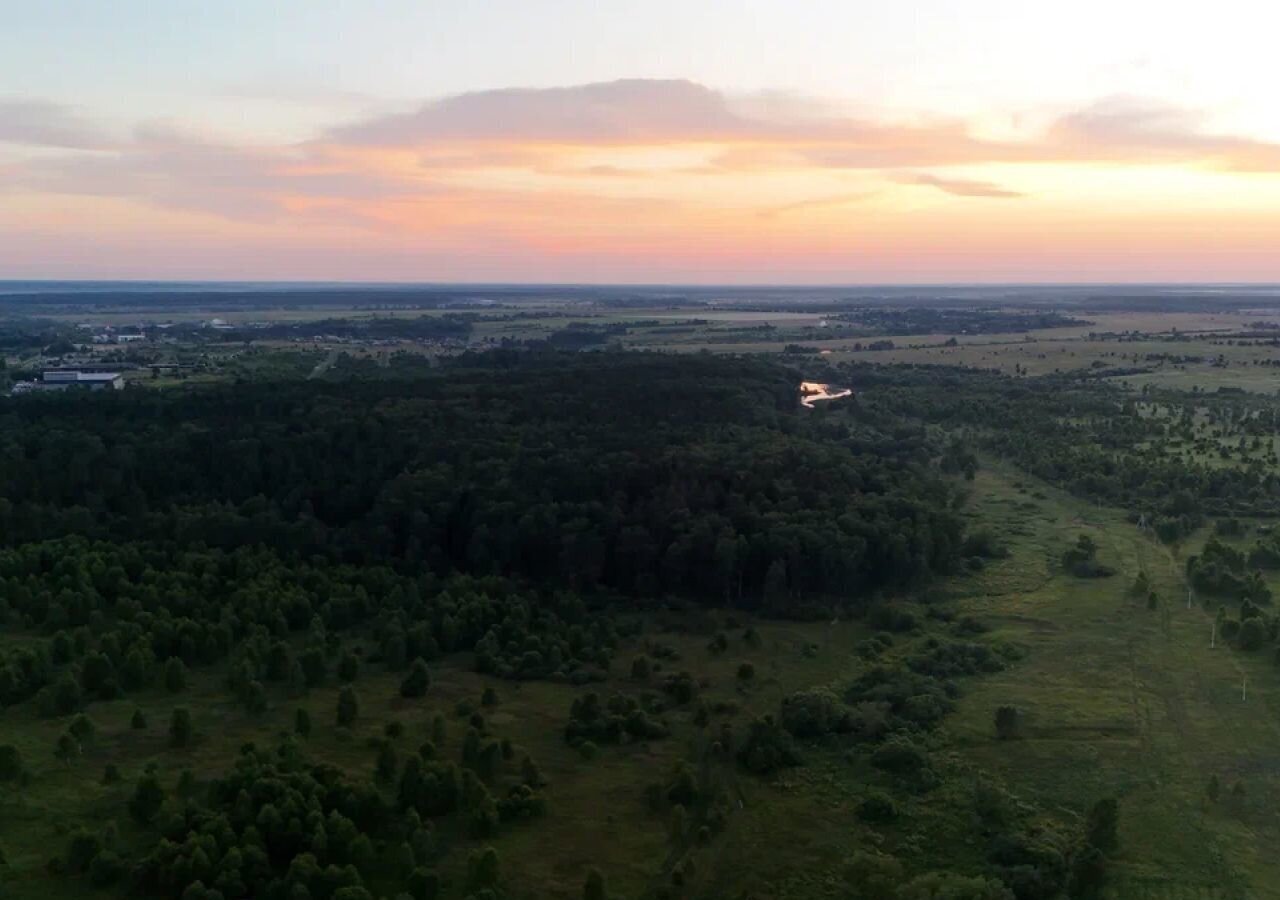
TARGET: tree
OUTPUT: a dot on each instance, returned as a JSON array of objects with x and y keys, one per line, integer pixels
[
  {"x": 1252, "y": 634},
  {"x": 1088, "y": 874},
  {"x": 423, "y": 884},
  {"x": 255, "y": 697},
  {"x": 348, "y": 707},
  {"x": 180, "y": 727},
  {"x": 594, "y": 888},
  {"x": 10, "y": 763},
  {"x": 529, "y": 773},
  {"x": 67, "y": 748},
  {"x": 1008, "y": 722},
  {"x": 175, "y": 675},
  {"x": 297, "y": 679},
  {"x": 415, "y": 684},
  {"x": 348, "y": 667},
  {"x": 302, "y": 722},
  {"x": 482, "y": 870},
  {"x": 775, "y": 584},
  {"x": 388, "y": 764},
  {"x": 83, "y": 730},
  {"x": 1102, "y": 825},
  {"x": 148, "y": 797},
  {"x": 139, "y": 720}
]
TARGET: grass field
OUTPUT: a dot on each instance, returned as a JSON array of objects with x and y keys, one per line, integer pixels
[{"x": 1123, "y": 699}]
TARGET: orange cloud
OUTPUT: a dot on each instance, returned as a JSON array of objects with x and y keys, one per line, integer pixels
[{"x": 637, "y": 170}]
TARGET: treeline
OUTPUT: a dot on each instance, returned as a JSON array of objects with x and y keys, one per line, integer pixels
[
  {"x": 449, "y": 326},
  {"x": 1090, "y": 438},
  {"x": 919, "y": 320},
  {"x": 641, "y": 475}
]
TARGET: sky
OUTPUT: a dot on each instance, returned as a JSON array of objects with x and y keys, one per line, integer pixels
[{"x": 754, "y": 141}]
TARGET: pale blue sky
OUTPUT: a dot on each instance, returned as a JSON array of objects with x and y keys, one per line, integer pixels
[{"x": 286, "y": 65}]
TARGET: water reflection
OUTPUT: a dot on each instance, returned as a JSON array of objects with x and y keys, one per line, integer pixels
[{"x": 812, "y": 391}]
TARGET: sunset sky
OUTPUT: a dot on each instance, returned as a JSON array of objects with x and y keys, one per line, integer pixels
[{"x": 695, "y": 141}]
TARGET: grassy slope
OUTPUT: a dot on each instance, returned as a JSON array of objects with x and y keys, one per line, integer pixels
[{"x": 1126, "y": 700}]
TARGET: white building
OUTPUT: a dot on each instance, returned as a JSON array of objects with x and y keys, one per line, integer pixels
[{"x": 59, "y": 380}]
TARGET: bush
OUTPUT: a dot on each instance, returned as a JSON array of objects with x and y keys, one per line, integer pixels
[
  {"x": 873, "y": 876},
  {"x": 947, "y": 886},
  {"x": 877, "y": 808},
  {"x": 809, "y": 714},
  {"x": 767, "y": 748},
  {"x": 900, "y": 756}
]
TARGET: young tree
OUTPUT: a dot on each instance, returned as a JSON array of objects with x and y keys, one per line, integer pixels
[
  {"x": 348, "y": 707},
  {"x": 180, "y": 727},
  {"x": 388, "y": 764},
  {"x": 1102, "y": 825},
  {"x": 10, "y": 763},
  {"x": 482, "y": 870},
  {"x": 594, "y": 888},
  {"x": 1008, "y": 722},
  {"x": 175, "y": 675},
  {"x": 67, "y": 748},
  {"x": 415, "y": 684},
  {"x": 148, "y": 797},
  {"x": 348, "y": 667}
]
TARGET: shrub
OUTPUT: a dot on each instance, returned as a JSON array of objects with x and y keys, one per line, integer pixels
[
  {"x": 767, "y": 747},
  {"x": 813, "y": 713},
  {"x": 900, "y": 756},
  {"x": 878, "y": 808}
]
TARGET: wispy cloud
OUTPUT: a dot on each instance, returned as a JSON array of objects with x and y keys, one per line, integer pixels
[
  {"x": 632, "y": 110},
  {"x": 1134, "y": 129},
  {"x": 960, "y": 187},
  {"x": 762, "y": 129},
  {"x": 605, "y": 152},
  {"x": 39, "y": 123},
  {"x": 835, "y": 200}
]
